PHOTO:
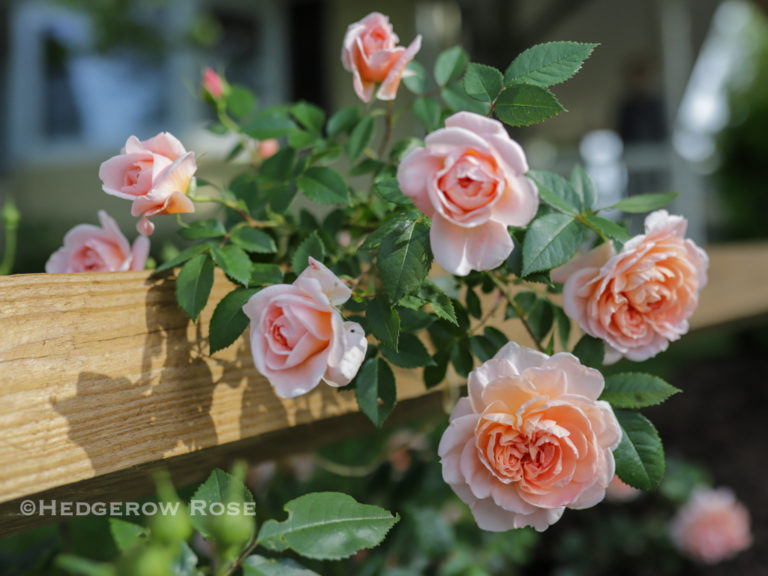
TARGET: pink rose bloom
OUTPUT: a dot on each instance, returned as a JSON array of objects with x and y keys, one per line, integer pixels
[
  {"x": 212, "y": 83},
  {"x": 156, "y": 174},
  {"x": 371, "y": 53},
  {"x": 640, "y": 299},
  {"x": 619, "y": 491},
  {"x": 712, "y": 526},
  {"x": 268, "y": 148},
  {"x": 530, "y": 440},
  {"x": 88, "y": 248},
  {"x": 469, "y": 179},
  {"x": 298, "y": 336}
]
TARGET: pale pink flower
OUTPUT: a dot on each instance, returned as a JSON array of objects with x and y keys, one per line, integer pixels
[
  {"x": 712, "y": 526},
  {"x": 530, "y": 440},
  {"x": 212, "y": 83},
  {"x": 298, "y": 336},
  {"x": 156, "y": 174},
  {"x": 469, "y": 179},
  {"x": 268, "y": 148},
  {"x": 371, "y": 53},
  {"x": 640, "y": 299},
  {"x": 619, "y": 491},
  {"x": 89, "y": 248}
]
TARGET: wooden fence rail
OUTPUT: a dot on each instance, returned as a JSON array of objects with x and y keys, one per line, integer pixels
[{"x": 103, "y": 379}]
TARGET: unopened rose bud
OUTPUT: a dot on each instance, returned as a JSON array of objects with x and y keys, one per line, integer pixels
[
  {"x": 213, "y": 84},
  {"x": 268, "y": 148}
]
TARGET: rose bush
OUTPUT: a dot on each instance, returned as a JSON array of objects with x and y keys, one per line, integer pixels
[
  {"x": 530, "y": 440},
  {"x": 298, "y": 336},
  {"x": 89, "y": 248},
  {"x": 156, "y": 174},
  {"x": 469, "y": 179},
  {"x": 641, "y": 298},
  {"x": 371, "y": 53}
]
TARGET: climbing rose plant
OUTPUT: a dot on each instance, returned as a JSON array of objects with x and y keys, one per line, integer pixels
[{"x": 420, "y": 243}]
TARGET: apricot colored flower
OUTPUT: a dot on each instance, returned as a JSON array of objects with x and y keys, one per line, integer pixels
[
  {"x": 371, "y": 53},
  {"x": 712, "y": 526},
  {"x": 298, "y": 336},
  {"x": 89, "y": 248},
  {"x": 640, "y": 299},
  {"x": 469, "y": 179},
  {"x": 620, "y": 491},
  {"x": 156, "y": 174},
  {"x": 530, "y": 440}
]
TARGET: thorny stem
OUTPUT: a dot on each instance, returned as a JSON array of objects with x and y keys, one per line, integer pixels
[{"x": 517, "y": 308}]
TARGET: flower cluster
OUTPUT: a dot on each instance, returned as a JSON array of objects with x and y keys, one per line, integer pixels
[{"x": 538, "y": 431}]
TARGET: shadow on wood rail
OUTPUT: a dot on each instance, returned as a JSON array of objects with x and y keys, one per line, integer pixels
[{"x": 104, "y": 379}]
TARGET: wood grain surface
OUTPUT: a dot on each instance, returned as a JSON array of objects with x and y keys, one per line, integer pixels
[{"x": 102, "y": 373}]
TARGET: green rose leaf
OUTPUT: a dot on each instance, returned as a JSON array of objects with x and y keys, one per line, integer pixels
[
  {"x": 309, "y": 116},
  {"x": 193, "y": 286},
  {"x": 269, "y": 123},
  {"x": 609, "y": 228},
  {"x": 360, "y": 138},
  {"x": 584, "y": 187},
  {"x": 278, "y": 167},
  {"x": 411, "y": 352},
  {"x": 127, "y": 535},
  {"x": 384, "y": 321},
  {"x": 540, "y": 318},
  {"x": 450, "y": 64},
  {"x": 461, "y": 357},
  {"x": 181, "y": 257},
  {"x": 557, "y": 191},
  {"x": 633, "y": 390},
  {"x": 234, "y": 262},
  {"x": 311, "y": 246},
  {"x": 259, "y": 566},
  {"x": 427, "y": 111},
  {"x": 404, "y": 258},
  {"x": 483, "y": 82},
  {"x": 343, "y": 121},
  {"x": 324, "y": 185},
  {"x": 415, "y": 78},
  {"x": 219, "y": 488},
  {"x": 457, "y": 100},
  {"x": 590, "y": 351},
  {"x": 327, "y": 526},
  {"x": 240, "y": 101},
  {"x": 376, "y": 390},
  {"x": 265, "y": 275},
  {"x": 644, "y": 202},
  {"x": 203, "y": 229},
  {"x": 640, "y": 455},
  {"x": 229, "y": 321},
  {"x": 523, "y": 105},
  {"x": 253, "y": 240},
  {"x": 482, "y": 347},
  {"x": 549, "y": 242},
  {"x": 548, "y": 64}
]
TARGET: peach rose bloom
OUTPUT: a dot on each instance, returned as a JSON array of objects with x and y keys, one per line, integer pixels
[
  {"x": 712, "y": 526},
  {"x": 530, "y": 440},
  {"x": 371, "y": 53},
  {"x": 469, "y": 179},
  {"x": 88, "y": 248},
  {"x": 640, "y": 299},
  {"x": 156, "y": 174},
  {"x": 298, "y": 336}
]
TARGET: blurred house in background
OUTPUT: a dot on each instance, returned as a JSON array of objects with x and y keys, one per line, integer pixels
[{"x": 78, "y": 77}]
